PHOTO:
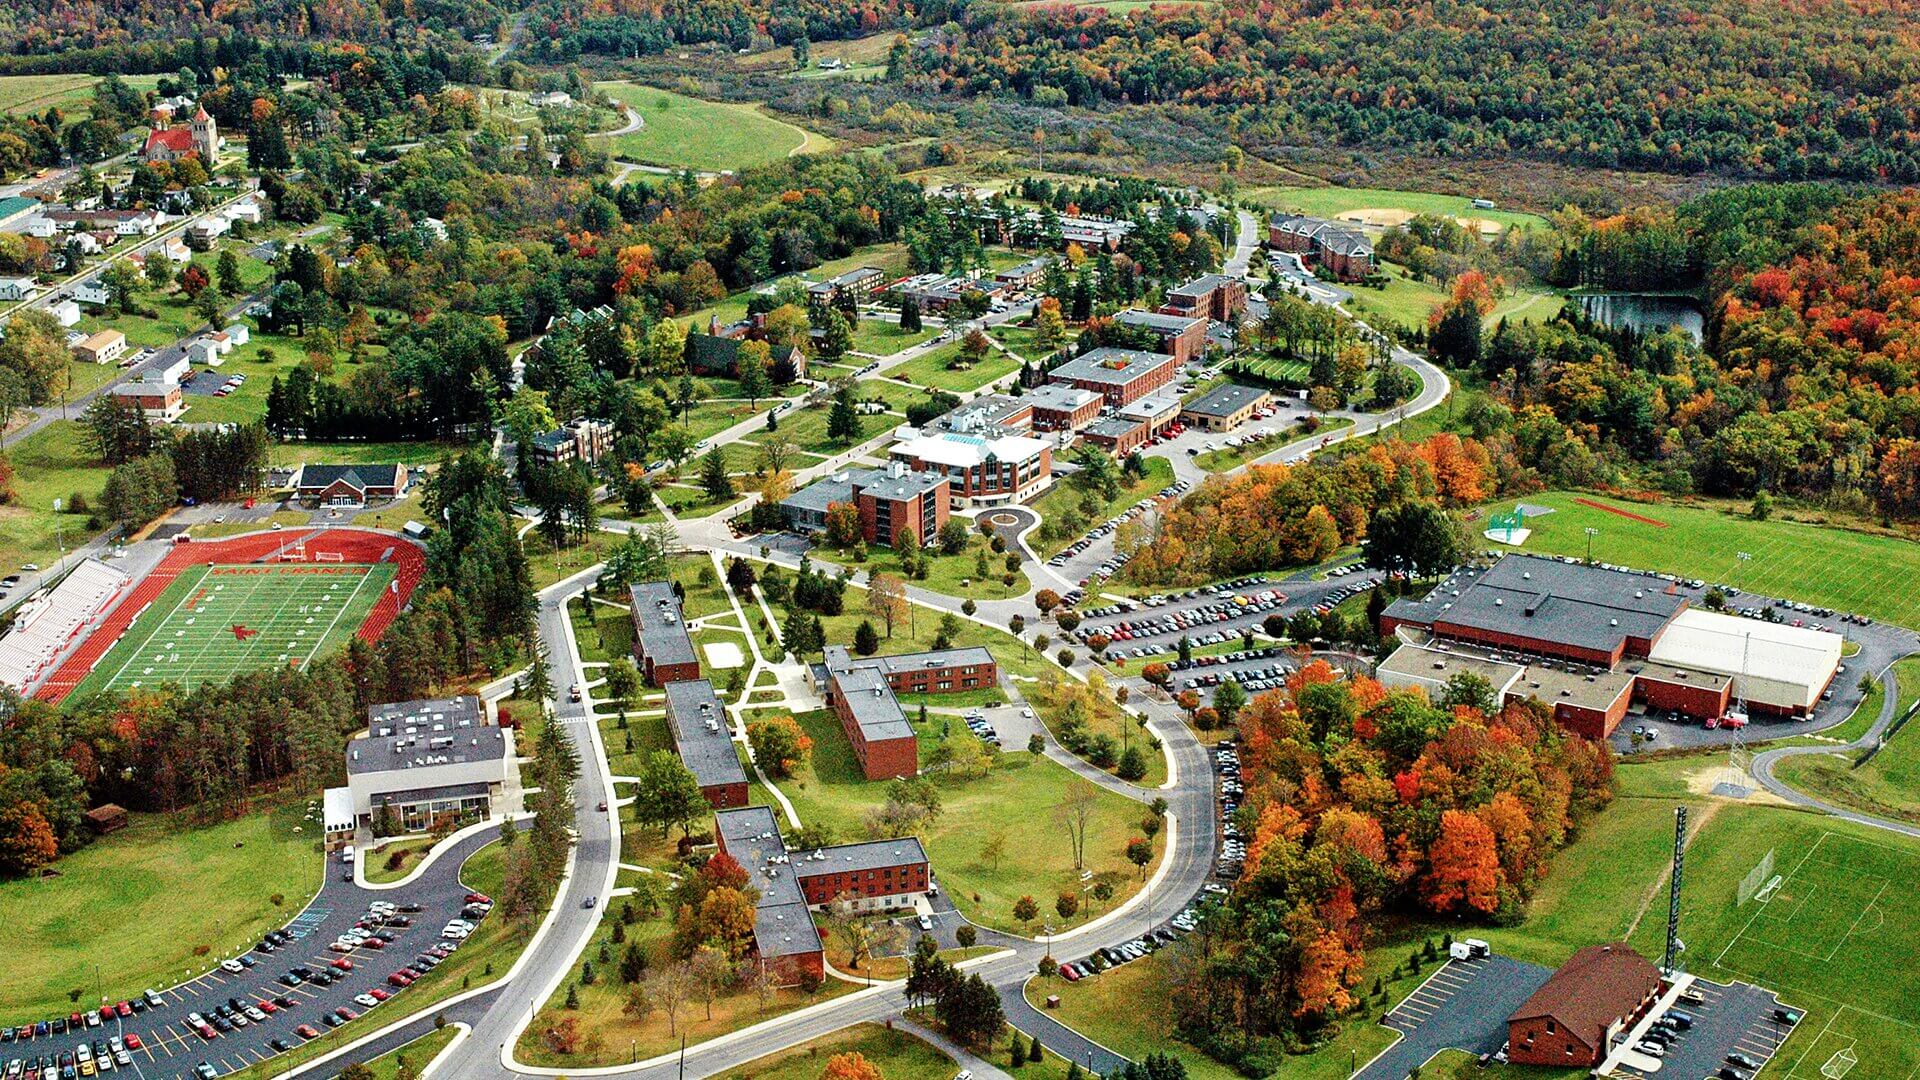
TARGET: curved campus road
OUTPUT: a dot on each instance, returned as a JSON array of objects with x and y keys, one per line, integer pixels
[{"x": 1764, "y": 762}]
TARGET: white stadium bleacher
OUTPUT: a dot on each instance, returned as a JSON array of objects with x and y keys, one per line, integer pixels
[{"x": 46, "y": 627}]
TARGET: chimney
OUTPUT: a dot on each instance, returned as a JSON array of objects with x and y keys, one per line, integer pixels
[{"x": 713, "y": 324}]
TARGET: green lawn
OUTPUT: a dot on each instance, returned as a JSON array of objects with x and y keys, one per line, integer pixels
[
  {"x": 1051, "y": 700},
  {"x": 932, "y": 370},
  {"x": 380, "y": 865},
  {"x": 52, "y": 463},
  {"x": 897, "y": 1054},
  {"x": 1012, "y": 808},
  {"x": 288, "y": 454},
  {"x": 882, "y": 338},
  {"x": 688, "y": 132},
  {"x": 181, "y": 898},
  {"x": 71, "y": 94},
  {"x": 1887, "y": 784},
  {"x": 917, "y": 632},
  {"x": 1062, "y": 497},
  {"x": 1407, "y": 302},
  {"x": 1828, "y": 567},
  {"x": 951, "y": 575},
  {"x": 808, "y": 429}
]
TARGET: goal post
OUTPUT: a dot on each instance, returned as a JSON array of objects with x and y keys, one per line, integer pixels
[
  {"x": 1757, "y": 877},
  {"x": 330, "y": 556}
]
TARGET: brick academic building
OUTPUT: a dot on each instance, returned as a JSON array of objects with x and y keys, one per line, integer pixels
[
  {"x": 877, "y": 875},
  {"x": 1590, "y": 642},
  {"x": 861, "y": 692}
]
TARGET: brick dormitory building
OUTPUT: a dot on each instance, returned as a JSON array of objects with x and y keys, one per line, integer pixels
[
  {"x": 660, "y": 642},
  {"x": 861, "y": 692},
  {"x": 1592, "y": 642},
  {"x": 877, "y": 875},
  {"x": 704, "y": 742}
]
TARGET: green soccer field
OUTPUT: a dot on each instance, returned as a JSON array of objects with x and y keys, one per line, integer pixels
[
  {"x": 215, "y": 622},
  {"x": 1836, "y": 568}
]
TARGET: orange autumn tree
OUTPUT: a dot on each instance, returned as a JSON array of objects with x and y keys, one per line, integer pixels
[
  {"x": 851, "y": 1066},
  {"x": 1362, "y": 800}
]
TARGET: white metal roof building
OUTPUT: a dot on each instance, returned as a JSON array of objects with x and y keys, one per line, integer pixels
[
  {"x": 46, "y": 627},
  {"x": 1771, "y": 664}
]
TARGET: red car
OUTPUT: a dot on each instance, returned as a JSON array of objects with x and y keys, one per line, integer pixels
[
  {"x": 268, "y": 1007},
  {"x": 373, "y": 943},
  {"x": 342, "y": 964},
  {"x": 132, "y": 1041},
  {"x": 400, "y": 980},
  {"x": 107, "y": 1014},
  {"x": 345, "y": 1013},
  {"x": 378, "y": 994},
  {"x": 307, "y": 1031},
  {"x": 124, "y": 1009},
  {"x": 478, "y": 898}
]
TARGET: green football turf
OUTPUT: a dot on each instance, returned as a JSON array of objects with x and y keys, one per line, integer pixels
[{"x": 294, "y": 612}]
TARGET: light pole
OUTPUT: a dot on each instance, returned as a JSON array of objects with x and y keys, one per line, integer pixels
[
  {"x": 1745, "y": 557},
  {"x": 59, "y": 539},
  {"x": 1591, "y": 533}
]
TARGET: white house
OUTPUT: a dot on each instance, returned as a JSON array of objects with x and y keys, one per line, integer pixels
[
  {"x": 550, "y": 99},
  {"x": 176, "y": 249},
  {"x": 17, "y": 288},
  {"x": 141, "y": 223},
  {"x": 209, "y": 228},
  {"x": 204, "y": 352},
  {"x": 247, "y": 210},
  {"x": 237, "y": 334},
  {"x": 434, "y": 227},
  {"x": 66, "y": 312},
  {"x": 41, "y": 227},
  {"x": 92, "y": 291},
  {"x": 88, "y": 243}
]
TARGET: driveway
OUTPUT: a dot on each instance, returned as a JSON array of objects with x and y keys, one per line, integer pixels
[{"x": 1462, "y": 1006}]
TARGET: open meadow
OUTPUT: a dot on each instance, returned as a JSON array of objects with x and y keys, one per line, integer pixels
[{"x": 688, "y": 132}]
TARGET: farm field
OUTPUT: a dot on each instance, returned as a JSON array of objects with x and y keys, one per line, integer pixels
[
  {"x": 172, "y": 887},
  {"x": 215, "y": 622},
  {"x": 72, "y": 94},
  {"x": 1828, "y": 567},
  {"x": 689, "y": 132}
]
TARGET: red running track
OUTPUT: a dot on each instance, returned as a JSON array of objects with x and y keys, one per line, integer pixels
[{"x": 352, "y": 545}]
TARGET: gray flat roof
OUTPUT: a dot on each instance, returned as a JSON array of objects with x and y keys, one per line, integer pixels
[
  {"x": 873, "y": 705},
  {"x": 1154, "y": 320},
  {"x": 820, "y": 494},
  {"x": 1060, "y": 396},
  {"x": 429, "y": 715},
  {"x": 1568, "y": 604},
  {"x": 1110, "y": 366},
  {"x": 897, "y": 483},
  {"x": 707, "y": 752},
  {"x": 662, "y": 628},
  {"x": 866, "y": 855},
  {"x": 838, "y": 659},
  {"x": 1113, "y": 427},
  {"x": 782, "y": 925},
  {"x": 425, "y": 749},
  {"x": 1225, "y": 400},
  {"x": 1201, "y": 285}
]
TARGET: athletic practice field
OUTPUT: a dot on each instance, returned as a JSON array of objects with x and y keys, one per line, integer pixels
[
  {"x": 1837, "y": 568},
  {"x": 1828, "y": 925},
  {"x": 215, "y": 622}
]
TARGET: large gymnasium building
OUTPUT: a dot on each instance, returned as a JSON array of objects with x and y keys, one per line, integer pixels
[{"x": 1592, "y": 642}]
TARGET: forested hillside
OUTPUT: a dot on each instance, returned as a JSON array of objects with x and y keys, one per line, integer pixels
[
  {"x": 42, "y": 27},
  {"x": 563, "y": 29},
  {"x": 1803, "y": 88}
]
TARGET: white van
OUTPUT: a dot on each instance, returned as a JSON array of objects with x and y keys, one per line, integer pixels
[{"x": 346, "y": 854}]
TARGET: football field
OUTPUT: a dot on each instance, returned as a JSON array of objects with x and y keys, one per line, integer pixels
[{"x": 214, "y": 622}]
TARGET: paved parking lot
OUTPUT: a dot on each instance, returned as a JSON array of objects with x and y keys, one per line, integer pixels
[
  {"x": 1462, "y": 1006},
  {"x": 1736, "y": 1018}
]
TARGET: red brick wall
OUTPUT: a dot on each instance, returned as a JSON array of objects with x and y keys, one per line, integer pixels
[
  {"x": 1523, "y": 642},
  {"x": 823, "y": 887},
  {"x": 725, "y": 796},
  {"x": 1124, "y": 445},
  {"x": 662, "y": 674},
  {"x": 887, "y": 758},
  {"x": 928, "y": 680},
  {"x": 1547, "y": 1049},
  {"x": 1055, "y": 419},
  {"x": 1690, "y": 699},
  {"x": 1593, "y": 723}
]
